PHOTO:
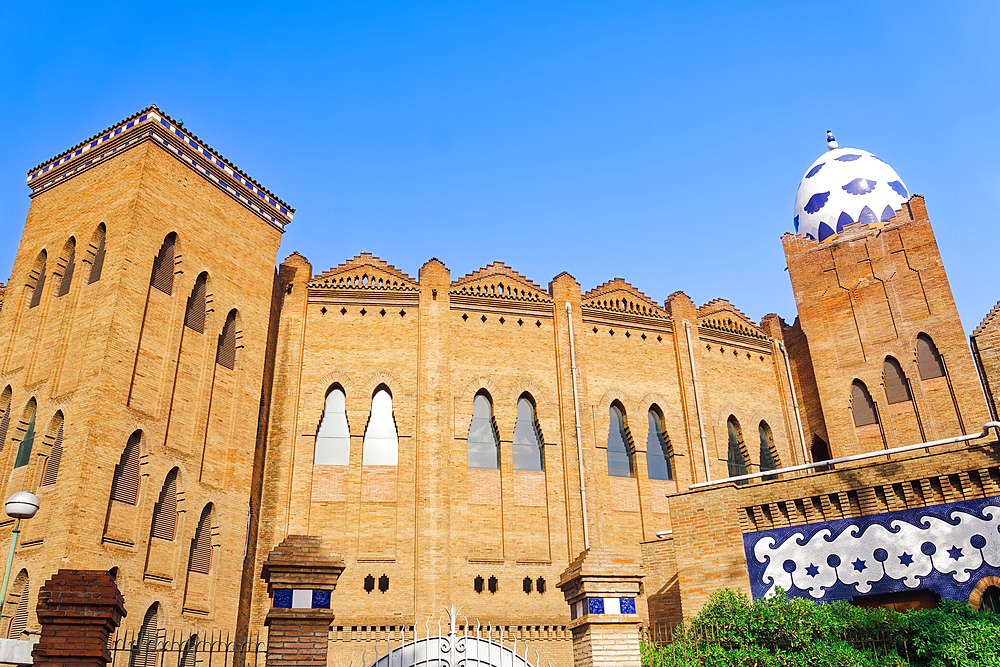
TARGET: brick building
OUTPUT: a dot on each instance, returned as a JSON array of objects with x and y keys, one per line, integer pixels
[{"x": 181, "y": 406}]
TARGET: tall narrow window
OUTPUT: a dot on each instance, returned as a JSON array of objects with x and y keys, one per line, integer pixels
[
  {"x": 69, "y": 257},
  {"x": 20, "y": 619},
  {"x": 381, "y": 444},
  {"x": 929, "y": 361},
  {"x": 36, "y": 281},
  {"x": 226, "y": 353},
  {"x": 5, "y": 405},
  {"x": 657, "y": 449},
  {"x": 98, "y": 265},
  {"x": 24, "y": 449},
  {"x": 145, "y": 645},
  {"x": 165, "y": 511},
  {"x": 897, "y": 389},
  {"x": 125, "y": 487},
  {"x": 527, "y": 441},
  {"x": 51, "y": 474},
  {"x": 737, "y": 461},
  {"x": 333, "y": 437},
  {"x": 619, "y": 445},
  {"x": 163, "y": 266},
  {"x": 201, "y": 546},
  {"x": 194, "y": 316},
  {"x": 819, "y": 450},
  {"x": 863, "y": 405},
  {"x": 768, "y": 461},
  {"x": 483, "y": 450}
]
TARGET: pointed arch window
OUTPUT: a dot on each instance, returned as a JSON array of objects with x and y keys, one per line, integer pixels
[
  {"x": 51, "y": 474},
  {"x": 619, "y": 444},
  {"x": 201, "y": 546},
  {"x": 24, "y": 449},
  {"x": 483, "y": 449},
  {"x": 125, "y": 487},
  {"x": 226, "y": 353},
  {"x": 929, "y": 361},
  {"x": 863, "y": 406},
  {"x": 381, "y": 444},
  {"x": 194, "y": 316},
  {"x": 98, "y": 264},
  {"x": 20, "y": 619},
  {"x": 527, "y": 441},
  {"x": 657, "y": 448},
  {"x": 333, "y": 437},
  {"x": 897, "y": 387},
  {"x": 164, "y": 525},
  {"x": 69, "y": 257},
  {"x": 37, "y": 281},
  {"x": 145, "y": 645},
  {"x": 768, "y": 458},
  {"x": 163, "y": 266},
  {"x": 5, "y": 405},
  {"x": 737, "y": 461}
]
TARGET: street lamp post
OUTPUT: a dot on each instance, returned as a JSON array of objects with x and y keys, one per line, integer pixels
[{"x": 21, "y": 505}]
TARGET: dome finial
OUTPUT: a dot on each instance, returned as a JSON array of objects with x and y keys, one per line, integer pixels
[{"x": 831, "y": 142}]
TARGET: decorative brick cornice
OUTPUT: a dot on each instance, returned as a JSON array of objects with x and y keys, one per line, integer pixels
[
  {"x": 497, "y": 280},
  {"x": 990, "y": 318},
  {"x": 151, "y": 124},
  {"x": 620, "y": 296},
  {"x": 364, "y": 272}
]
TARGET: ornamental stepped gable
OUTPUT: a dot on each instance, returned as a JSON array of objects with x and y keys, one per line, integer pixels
[
  {"x": 718, "y": 315},
  {"x": 498, "y": 281},
  {"x": 619, "y": 297},
  {"x": 365, "y": 275}
]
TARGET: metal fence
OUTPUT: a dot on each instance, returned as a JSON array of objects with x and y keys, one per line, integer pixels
[
  {"x": 177, "y": 648},
  {"x": 682, "y": 646}
]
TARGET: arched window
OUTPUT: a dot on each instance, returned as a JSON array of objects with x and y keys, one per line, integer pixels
[
  {"x": 737, "y": 461},
  {"x": 194, "y": 316},
  {"x": 164, "y": 525},
  {"x": 163, "y": 266},
  {"x": 929, "y": 361},
  {"x": 657, "y": 449},
  {"x": 226, "y": 353},
  {"x": 145, "y": 645},
  {"x": 619, "y": 444},
  {"x": 68, "y": 262},
  {"x": 864, "y": 407},
  {"x": 201, "y": 546},
  {"x": 527, "y": 441},
  {"x": 381, "y": 444},
  {"x": 333, "y": 437},
  {"x": 125, "y": 487},
  {"x": 36, "y": 280},
  {"x": 20, "y": 619},
  {"x": 5, "y": 405},
  {"x": 819, "y": 450},
  {"x": 24, "y": 449},
  {"x": 51, "y": 474},
  {"x": 897, "y": 389},
  {"x": 97, "y": 248},
  {"x": 768, "y": 458},
  {"x": 483, "y": 450}
]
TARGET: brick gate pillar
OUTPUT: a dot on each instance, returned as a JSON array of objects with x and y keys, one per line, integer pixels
[
  {"x": 300, "y": 576},
  {"x": 78, "y": 610},
  {"x": 601, "y": 591}
]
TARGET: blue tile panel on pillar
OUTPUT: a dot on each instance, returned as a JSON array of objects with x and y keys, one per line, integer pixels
[
  {"x": 283, "y": 598},
  {"x": 608, "y": 606},
  {"x": 301, "y": 598}
]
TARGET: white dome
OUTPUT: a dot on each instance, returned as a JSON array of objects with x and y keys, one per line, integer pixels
[{"x": 846, "y": 185}]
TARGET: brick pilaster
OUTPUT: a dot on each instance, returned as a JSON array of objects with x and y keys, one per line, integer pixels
[
  {"x": 78, "y": 611},
  {"x": 300, "y": 576},
  {"x": 601, "y": 591}
]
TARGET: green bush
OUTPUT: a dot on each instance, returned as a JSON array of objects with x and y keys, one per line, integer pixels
[{"x": 734, "y": 631}]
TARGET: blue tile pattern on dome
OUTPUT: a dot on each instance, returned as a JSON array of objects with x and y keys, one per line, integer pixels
[
  {"x": 815, "y": 170},
  {"x": 945, "y": 548},
  {"x": 843, "y": 221},
  {"x": 848, "y": 157},
  {"x": 817, "y": 201},
  {"x": 860, "y": 186},
  {"x": 867, "y": 216},
  {"x": 899, "y": 188},
  {"x": 887, "y": 214}
]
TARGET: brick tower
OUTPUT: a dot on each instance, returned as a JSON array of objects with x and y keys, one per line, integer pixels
[{"x": 136, "y": 334}]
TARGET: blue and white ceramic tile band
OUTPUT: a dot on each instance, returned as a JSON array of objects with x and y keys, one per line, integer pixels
[
  {"x": 946, "y": 548},
  {"x": 603, "y": 605},
  {"x": 301, "y": 598}
]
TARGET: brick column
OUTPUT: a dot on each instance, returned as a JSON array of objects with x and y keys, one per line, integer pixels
[
  {"x": 300, "y": 576},
  {"x": 601, "y": 591},
  {"x": 78, "y": 610}
]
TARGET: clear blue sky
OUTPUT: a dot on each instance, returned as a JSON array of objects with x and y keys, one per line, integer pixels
[{"x": 659, "y": 142}]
